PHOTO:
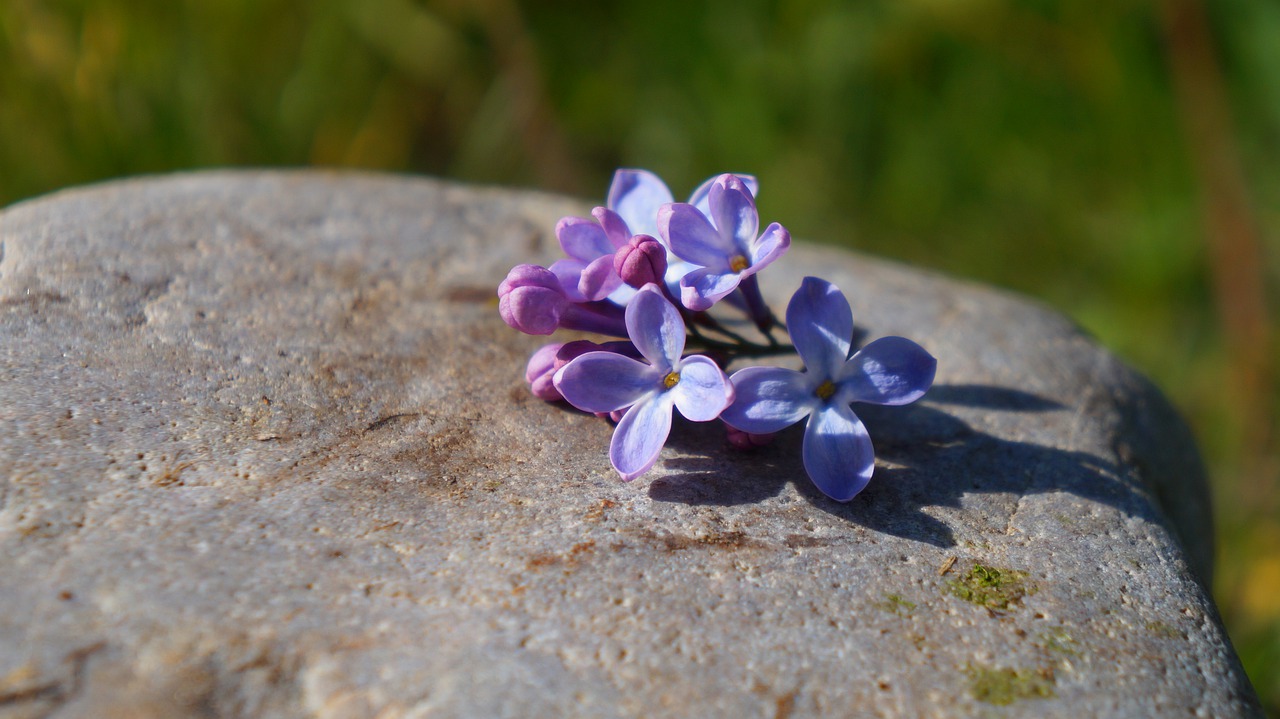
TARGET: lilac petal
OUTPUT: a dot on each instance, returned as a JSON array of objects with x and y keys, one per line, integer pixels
[
  {"x": 622, "y": 296},
  {"x": 733, "y": 212},
  {"x": 676, "y": 271},
  {"x": 891, "y": 370},
  {"x": 582, "y": 239},
  {"x": 821, "y": 326},
  {"x": 636, "y": 196},
  {"x": 598, "y": 279},
  {"x": 605, "y": 381},
  {"x": 769, "y": 247},
  {"x": 704, "y": 287},
  {"x": 699, "y": 198},
  {"x": 569, "y": 277},
  {"x": 768, "y": 399},
  {"x": 640, "y": 435},
  {"x": 655, "y": 328},
  {"x": 690, "y": 236},
  {"x": 615, "y": 228},
  {"x": 837, "y": 452},
  {"x": 703, "y": 391}
]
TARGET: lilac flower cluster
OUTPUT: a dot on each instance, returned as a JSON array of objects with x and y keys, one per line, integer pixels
[{"x": 647, "y": 269}]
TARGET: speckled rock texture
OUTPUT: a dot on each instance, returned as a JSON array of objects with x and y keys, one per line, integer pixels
[{"x": 267, "y": 451}]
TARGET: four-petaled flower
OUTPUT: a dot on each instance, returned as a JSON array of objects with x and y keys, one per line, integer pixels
[
  {"x": 722, "y": 242},
  {"x": 608, "y": 382},
  {"x": 838, "y": 455}
]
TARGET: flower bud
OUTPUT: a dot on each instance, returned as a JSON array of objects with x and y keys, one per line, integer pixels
[
  {"x": 641, "y": 261},
  {"x": 540, "y": 370},
  {"x": 745, "y": 440},
  {"x": 530, "y": 300}
]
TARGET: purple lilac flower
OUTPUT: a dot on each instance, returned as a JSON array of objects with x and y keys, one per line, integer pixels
[
  {"x": 723, "y": 243},
  {"x": 532, "y": 300},
  {"x": 609, "y": 382},
  {"x": 638, "y": 195},
  {"x": 588, "y": 274},
  {"x": 837, "y": 451}
]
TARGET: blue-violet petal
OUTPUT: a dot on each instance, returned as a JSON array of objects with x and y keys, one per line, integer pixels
[
  {"x": 703, "y": 287},
  {"x": 636, "y": 196},
  {"x": 890, "y": 370},
  {"x": 733, "y": 212},
  {"x": 769, "y": 399},
  {"x": 820, "y": 323},
  {"x": 655, "y": 328},
  {"x": 837, "y": 452},
  {"x": 605, "y": 381},
  {"x": 690, "y": 236},
  {"x": 639, "y": 437},
  {"x": 703, "y": 390}
]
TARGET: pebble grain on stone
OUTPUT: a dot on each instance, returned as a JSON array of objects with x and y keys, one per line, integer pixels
[{"x": 268, "y": 452}]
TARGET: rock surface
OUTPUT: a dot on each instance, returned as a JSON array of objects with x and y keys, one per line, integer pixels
[{"x": 268, "y": 452}]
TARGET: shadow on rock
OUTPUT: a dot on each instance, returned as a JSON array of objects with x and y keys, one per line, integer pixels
[{"x": 936, "y": 459}]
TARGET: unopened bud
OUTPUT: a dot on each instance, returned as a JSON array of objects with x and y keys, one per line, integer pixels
[
  {"x": 745, "y": 440},
  {"x": 540, "y": 370},
  {"x": 641, "y": 261}
]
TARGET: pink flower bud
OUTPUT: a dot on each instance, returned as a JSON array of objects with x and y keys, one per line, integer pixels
[
  {"x": 530, "y": 300},
  {"x": 541, "y": 368},
  {"x": 641, "y": 261},
  {"x": 745, "y": 440}
]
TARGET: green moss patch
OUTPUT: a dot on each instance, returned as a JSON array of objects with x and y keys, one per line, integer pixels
[
  {"x": 1006, "y": 686},
  {"x": 895, "y": 604},
  {"x": 992, "y": 587},
  {"x": 1160, "y": 629},
  {"x": 1059, "y": 641}
]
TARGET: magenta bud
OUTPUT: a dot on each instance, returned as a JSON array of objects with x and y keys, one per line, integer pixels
[
  {"x": 641, "y": 261},
  {"x": 530, "y": 299},
  {"x": 745, "y": 440},
  {"x": 540, "y": 370}
]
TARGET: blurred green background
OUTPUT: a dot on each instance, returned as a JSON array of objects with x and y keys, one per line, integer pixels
[{"x": 1118, "y": 158}]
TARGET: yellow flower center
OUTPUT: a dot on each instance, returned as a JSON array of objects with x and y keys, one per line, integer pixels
[
  {"x": 671, "y": 380},
  {"x": 825, "y": 390},
  {"x": 738, "y": 263}
]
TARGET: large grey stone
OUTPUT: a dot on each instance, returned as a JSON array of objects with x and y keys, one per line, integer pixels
[{"x": 267, "y": 451}]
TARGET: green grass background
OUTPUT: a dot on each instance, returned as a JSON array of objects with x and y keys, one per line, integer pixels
[{"x": 1035, "y": 144}]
